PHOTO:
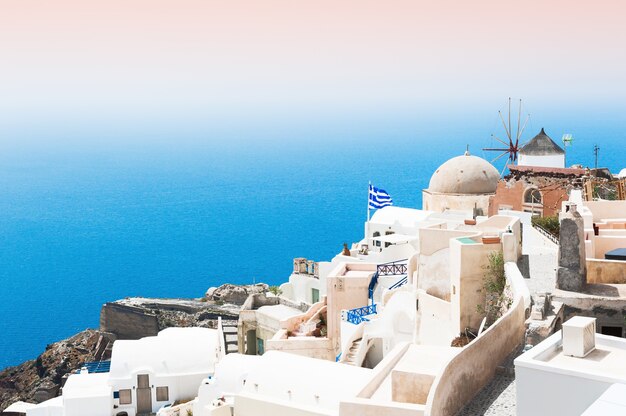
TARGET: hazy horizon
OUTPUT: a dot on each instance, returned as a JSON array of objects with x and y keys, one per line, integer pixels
[{"x": 119, "y": 67}]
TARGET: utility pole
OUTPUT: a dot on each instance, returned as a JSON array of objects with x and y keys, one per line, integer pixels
[{"x": 596, "y": 149}]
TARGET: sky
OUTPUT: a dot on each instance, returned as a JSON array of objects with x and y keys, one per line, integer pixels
[{"x": 76, "y": 66}]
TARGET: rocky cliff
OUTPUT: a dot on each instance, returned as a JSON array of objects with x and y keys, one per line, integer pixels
[
  {"x": 131, "y": 318},
  {"x": 40, "y": 379}
]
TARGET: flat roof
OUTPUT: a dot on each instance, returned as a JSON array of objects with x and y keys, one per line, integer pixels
[
  {"x": 87, "y": 385},
  {"x": 426, "y": 359},
  {"x": 279, "y": 312},
  {"x": 292, "y": 380},
  {"x": 542, "y": 169},
  {"x": 408, "y": 217},
  {"x": 395, "y": 238},
  {"x": 606, "y": 363},
  {"x": 20, "y": 407}
]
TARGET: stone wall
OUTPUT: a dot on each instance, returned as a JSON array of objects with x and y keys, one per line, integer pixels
[
  {"x": 127, "y": 322},
  {"x": 609, "y": 309},
  {"x": 571, "y": 272}
]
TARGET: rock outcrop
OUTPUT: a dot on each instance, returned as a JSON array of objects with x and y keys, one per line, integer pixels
[
  {"x": 40, "y": 379},
  {"x": 234, "y": 294},
  {"x": 134, "y": 318}
]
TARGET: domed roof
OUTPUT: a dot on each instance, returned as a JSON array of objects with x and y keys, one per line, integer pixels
[{"x": 465, "y": 175}]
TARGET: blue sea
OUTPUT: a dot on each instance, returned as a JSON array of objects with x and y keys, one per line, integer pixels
[{"x": 90, "y": 217}]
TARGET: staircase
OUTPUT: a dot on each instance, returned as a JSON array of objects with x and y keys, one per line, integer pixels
[
  {"x": 352, "y": 354},
  {"x": 230, "y": 336}
]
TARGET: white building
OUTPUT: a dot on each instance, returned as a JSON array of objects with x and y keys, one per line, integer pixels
[
  {"x": 146, "y": 375},
  {"x": 550, "y": 381},
  {"x": 391, "y": 334},
  {"x": 541, "y": 150}
]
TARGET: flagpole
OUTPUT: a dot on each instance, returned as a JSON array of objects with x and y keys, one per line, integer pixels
[
  {"x": 367, "y": 224},
  {"x": 369, "y": 184}
]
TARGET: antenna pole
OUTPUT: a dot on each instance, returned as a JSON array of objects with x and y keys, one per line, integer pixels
[{"x": 596, "y": 150}]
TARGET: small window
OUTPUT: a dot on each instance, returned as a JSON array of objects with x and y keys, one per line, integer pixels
[
  {"x": 532, "y": 196},
  {"x": 116, "y": 394},
  {"x": 389, "y": 232},
  {"x": 125, "y": 396},
  {"x": 162, "y": 394}
]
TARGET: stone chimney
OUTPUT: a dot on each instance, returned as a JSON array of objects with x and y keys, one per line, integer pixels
[{"x": 572, "y": 270}]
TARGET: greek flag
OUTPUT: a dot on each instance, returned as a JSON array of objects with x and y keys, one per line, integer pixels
[{"x": 378, "y": 198}]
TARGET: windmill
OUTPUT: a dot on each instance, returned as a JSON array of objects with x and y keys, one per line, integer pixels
[{"x": 513, "y": 146}]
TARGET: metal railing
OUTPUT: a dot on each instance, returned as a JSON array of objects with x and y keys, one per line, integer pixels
[
  {"x": 399, "y": 283},
  {"x": 392, "y": 269},
  {"x": 358, "y": 315},
  {"x": 546, "y": 233}
]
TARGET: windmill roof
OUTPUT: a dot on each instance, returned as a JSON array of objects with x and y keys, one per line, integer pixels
[{"x": 541, "y": 145}]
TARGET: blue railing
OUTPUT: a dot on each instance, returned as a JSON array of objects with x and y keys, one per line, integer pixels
[
  {"x": 97, "y": 366},
  {"x": 358, "y": 315},
  {"x": 393, "y": 268},
  {"x": 372, "y": 286}
]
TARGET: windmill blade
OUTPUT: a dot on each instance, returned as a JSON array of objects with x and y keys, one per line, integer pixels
[
  {"x": 504, "y": 168},
  {"x": 523, "y": 127},
  {"x": 510, "y": 131},
  {"x": 493, "y": 149},
  {"x": 493, "y": 136},
  {"x": 504, "y": 124},
  {"x": 496, "y": 159},
  {"x": 519, "y": 118}
]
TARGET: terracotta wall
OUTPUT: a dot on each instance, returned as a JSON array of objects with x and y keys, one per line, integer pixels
[{"x": 511, "y": 194}]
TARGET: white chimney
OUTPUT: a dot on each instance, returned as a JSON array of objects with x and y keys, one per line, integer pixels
[{"x": 579, "y": 336}]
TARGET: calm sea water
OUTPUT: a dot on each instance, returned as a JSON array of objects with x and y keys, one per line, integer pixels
[{"x": 82, "y": 224}]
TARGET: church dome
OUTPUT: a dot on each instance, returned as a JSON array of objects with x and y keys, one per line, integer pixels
[{"x": 465, "y": 175}]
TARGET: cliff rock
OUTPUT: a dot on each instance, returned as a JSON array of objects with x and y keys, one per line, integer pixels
[
  {"x": 40, "y": 379},
  {"x": 234, "y": 294}
]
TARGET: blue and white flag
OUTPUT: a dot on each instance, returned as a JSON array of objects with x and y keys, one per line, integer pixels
[{"x": 378, "y": 198}]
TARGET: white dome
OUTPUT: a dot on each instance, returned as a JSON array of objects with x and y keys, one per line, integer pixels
[{"x": 465, "y": 175}]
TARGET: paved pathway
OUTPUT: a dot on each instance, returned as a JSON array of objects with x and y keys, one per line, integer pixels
[{"x": 498, "y": 397}]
